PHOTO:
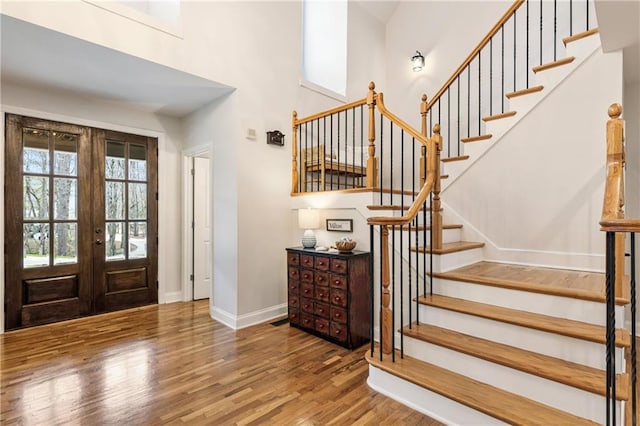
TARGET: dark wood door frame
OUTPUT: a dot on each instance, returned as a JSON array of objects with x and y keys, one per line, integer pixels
[{"x": 56, "y": 292}]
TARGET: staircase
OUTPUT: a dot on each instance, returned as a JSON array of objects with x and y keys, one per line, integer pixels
[{"x": 463, "y": 332}]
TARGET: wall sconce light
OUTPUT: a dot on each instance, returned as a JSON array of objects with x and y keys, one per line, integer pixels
[{"x": 417, "y": 62}]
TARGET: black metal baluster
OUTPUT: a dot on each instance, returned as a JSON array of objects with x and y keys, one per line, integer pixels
[
  {"x": 491, "y": 76},
  {"x": 587, "y": 6},
  {"x": 610, "y": 333},
  {"x": 413, "y": 143},
  {"x": 502, "y": 70},
  {"x": 331, "y": 152},
  {"x": 431, "y": 246},
  {"x": 353, "y": 146},
  {"x": 338, "y": 134},
  {"x": 469, "y": 100},
  {"x": 570, "y": 17},
  {"x": 391, "y": 164},
  {"x": 362, "y": 139},
  {"x": 371, "y": 289},
  {"x": 306, "y": 155},
  {"x": 324, "y": 142},
  {"x": 300, "y": 155},
  {"x": 458, "y": 136},
  {"x": 479, "y": 91},
  {"x": 424, "y": 246},
  {"x": 540, "y": 32},
  {"x": 381, "y": 169},
  {"x": 555, "y": 30},
  {"x": 448, "y": 119},
  {"x": 413, "y": 197},
  {"x": 346, "y": 149},
  {"x": 527, "y": 67},
  {"x": 402, "y": 244},
  {"x": 514, "y": 50}
]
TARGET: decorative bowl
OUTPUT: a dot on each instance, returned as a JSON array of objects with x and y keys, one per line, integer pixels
[{"x": 345, "y": 246}]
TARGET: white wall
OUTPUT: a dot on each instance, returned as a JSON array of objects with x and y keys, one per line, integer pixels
[
  {"x": 550, "y": 169},
  {"x": 61, "y": 106}
]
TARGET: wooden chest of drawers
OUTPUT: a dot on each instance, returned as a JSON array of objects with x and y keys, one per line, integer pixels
[{"x": 329, "y": 294}]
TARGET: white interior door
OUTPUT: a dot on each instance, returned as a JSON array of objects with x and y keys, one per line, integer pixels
[{"x": 201, "y": 229}]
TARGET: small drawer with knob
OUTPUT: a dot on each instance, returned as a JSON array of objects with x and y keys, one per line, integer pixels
[
  {"x": 339, "y": 266},
  {"x": 322, "y": 278},
  {"x": 293, "y": 259},
  {"x": 293, "y": 287},
  {"x": 322, "y": 310},
  {"x": 338, "y": 315},
  {"x": 294, "y": 301},
  {"x": 322, "y": 294},
  {"x": 322, "y": 263},
  {"x": 306, "y": 261},
  {"x": 294, "y": 273},
  {"x": 294, "y": 316},
  {"x": 338, "y": 281},
  {"x": 306, "y": 320},
  {"x": 306, "y": 290},
  {"x": 338, "y": 297},
  {"x": 306, "y": 275},
  {"x": 322, "y": 325},
  {"x": 307, "y": 305},
  {"x": 338, "y": 331}
]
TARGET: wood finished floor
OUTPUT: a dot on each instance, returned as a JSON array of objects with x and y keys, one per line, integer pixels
[{"x": 172, "y": 364}]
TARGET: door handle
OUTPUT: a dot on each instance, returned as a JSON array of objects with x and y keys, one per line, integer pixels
[{"x": 99, "y": 242}]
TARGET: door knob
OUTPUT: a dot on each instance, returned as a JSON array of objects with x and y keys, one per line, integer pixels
[{"x": 99, "y": 242}]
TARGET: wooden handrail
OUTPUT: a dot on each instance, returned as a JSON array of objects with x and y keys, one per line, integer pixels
[
  {"x": 341, "y": 108},
  {"x": 516, "y": 4},
  {"x": 426, "y": 188},
  {"x": 399, "y": 122}
]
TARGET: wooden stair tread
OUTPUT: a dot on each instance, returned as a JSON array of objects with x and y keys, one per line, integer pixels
[
  {"x": 428, "y": 227},
  {"x": 476, "y": 138},
  {"x": 557, "y": 282},
  {"x": 524, "y": 91},
  {"x": 447, "y": 248},
  {"x": 554, "y": 64},
  {"x": 558, "y": 370},
  {"x": 499, "y": 116},
  {"x": 394, "y": 207},
  {"x": 450, "y": 159},
  {"x": 562, "y": 326},
  {"x": 579, "y": 36},
  {"x": 482, "y": 397}
]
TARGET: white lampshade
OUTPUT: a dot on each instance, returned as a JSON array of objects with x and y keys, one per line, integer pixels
[{"x": 308, "y": 219}]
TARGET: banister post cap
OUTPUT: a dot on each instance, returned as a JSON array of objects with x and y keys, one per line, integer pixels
[
  {"x": 424, "y": 98},
  {"x": 436, "y": 128},
  {"x": 295, "y": 113},
  {"x": 372, "y": 85},
  {"x": 615, "y": 110}
]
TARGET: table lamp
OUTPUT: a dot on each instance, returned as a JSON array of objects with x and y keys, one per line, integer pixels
[{"x": 308, "y": 219}]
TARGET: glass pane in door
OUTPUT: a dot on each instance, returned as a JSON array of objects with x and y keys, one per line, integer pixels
[
  {"x": 114, "y": 161},
  {"x": 137, "y": 162},
  {"x": 137, "y": 240},
  {"x": 36, "y": 197},
  {"x": 65, "y": 198},
  {"x": 35, "y": 239},
  {"x": 65, "y": 243},
  {"x": 114, "y": 200},
  {"x": 137, "y": 201},
  {"x": 35, "y": 154},
  {"x": 65, "y": 154},
  {"x": 115, "y": 241}
]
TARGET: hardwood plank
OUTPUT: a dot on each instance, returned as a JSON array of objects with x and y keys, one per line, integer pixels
[
  {"x": 579, "y": 36},
  {"x": 450, "y": 248},
  {"x": 562, "y": 326},
  {"x": 554, "y": 64},
  {"x": 559, "y": 282},
  {"x": 480, "y": 396},
  {"x": 523, "y": 92},
  {"x": 499, "y": 116},
  {"x": 569, "y": 373},
  {"x": 476, "y": 138},
  {"x": 171, "y": 364},
  {"x": 450, "y": 159}
]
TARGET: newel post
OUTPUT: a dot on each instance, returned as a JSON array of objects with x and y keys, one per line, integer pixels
[
  {"x": 614, "y": 192},
  {"x": 436, "y": 207},
  {"x": 423, "y": 149},
  {"x": 372, "y": 162},
  {"x": 387, "y": 313},
  {"x": 294, "y": 153}
]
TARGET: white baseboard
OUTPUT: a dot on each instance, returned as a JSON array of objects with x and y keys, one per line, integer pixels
[
  {"x": 246, "y": 320},
  {"x": 171, "y": 297}
]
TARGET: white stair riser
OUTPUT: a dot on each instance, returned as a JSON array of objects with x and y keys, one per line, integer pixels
[
  {"x": 429, "y": 403},
  {"x": 551, "y": 344},
  {"x": 563, "y": 397},
  {"x": 557, "y": 306},
  {"x": 448, "y": 236}
]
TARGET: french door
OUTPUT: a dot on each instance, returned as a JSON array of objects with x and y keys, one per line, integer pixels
[{"x": 80, "y": 221}]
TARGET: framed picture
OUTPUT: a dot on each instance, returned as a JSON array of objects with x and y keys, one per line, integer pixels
[{"x": 340, "y": 225}]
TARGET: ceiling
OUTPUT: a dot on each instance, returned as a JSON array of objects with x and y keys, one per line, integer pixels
[
  {"x": 380, "y": 9},
  {"x": 36, "y": 56}
]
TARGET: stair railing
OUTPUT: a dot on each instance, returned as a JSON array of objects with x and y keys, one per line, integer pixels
[
  {"x": 616, "y": 225},
  {"x": 328, "y": 149},
  {"x": 524, "y": 41},
  {"x": 388, "y": 225}
]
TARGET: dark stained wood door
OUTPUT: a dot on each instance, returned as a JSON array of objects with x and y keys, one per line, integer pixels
[
  {"x": 47, "y": 183},
  {"x": 125, "y": 211},
  {"x": 80, "y": 221}
]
